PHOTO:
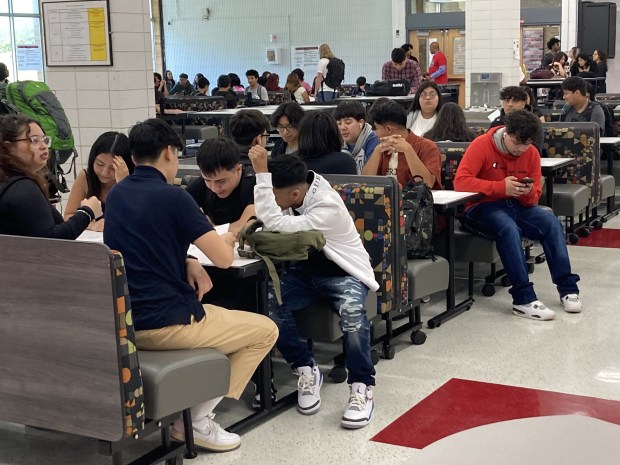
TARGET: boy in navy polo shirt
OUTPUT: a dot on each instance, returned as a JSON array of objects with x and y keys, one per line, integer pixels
[{"x": 152, "y": 223}]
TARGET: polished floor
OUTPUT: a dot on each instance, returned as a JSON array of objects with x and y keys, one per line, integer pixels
[{"x": 540, "y": 392}]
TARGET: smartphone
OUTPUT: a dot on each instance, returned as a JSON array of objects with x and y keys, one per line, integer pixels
[{"x": 526, "y": 181}]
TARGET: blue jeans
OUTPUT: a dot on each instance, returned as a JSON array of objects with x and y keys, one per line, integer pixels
[
  {"x": 346, "y": 296},
  {"x": 506, "y": 222},
  {"x": 326, "y": 96}
]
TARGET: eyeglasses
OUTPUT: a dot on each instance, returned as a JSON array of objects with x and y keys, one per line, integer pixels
[
  {"x": 36, "y": 140},
  {"x": 429, "y": 95},
  {"x": 266, "y": 135},
  {"x": 287, "y": 128}
]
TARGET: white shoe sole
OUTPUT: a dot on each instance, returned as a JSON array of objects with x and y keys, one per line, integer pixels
[
  {"x": 310, "y": 410},
  {"x": 572, "y": 310},
  {"x": 523, "y": 314},
  {"x": 180, "y": 436},
  {"x": 356, "y": 424}
]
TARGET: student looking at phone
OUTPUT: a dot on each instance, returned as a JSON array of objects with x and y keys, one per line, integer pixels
[{"x": 504, "y": 165}]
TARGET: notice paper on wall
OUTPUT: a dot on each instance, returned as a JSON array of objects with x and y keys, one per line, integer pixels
[{"x": 306, "y": 58}]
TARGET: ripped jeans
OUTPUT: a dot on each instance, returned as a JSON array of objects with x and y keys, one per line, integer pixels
[{"x": 347, "y": 296}]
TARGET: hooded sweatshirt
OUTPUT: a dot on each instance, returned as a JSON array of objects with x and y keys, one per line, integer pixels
[{"x": 322, "y": 210}]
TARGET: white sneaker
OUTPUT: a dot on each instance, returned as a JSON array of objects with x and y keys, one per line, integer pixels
[
  {"x": 572, "y": 303},
  {"x": 208, "y": 435},
  {"x": 309, "y": 389},
  {"x": 535, "y": 310},
  {"x": 359, "y": 408}
]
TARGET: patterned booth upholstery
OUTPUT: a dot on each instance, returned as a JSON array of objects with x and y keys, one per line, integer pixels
[
  {"x": 205, "y": 103},
  {"x": 279, "y": 96}
]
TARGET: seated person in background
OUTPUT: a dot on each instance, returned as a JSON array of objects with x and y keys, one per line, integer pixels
[
  {"x": 235, "y": 83},
  {"x": 109, "y": 162},
  {"x": 450, "y": 126},
  {"x": 532, "y": 102},
  {"x": 514, "y": 98},
  {"x": 400, "y": 152},
  {"x": 361, "y": 87},
  {"x": 580, "y": 108},
  {"x": 183, "y": 87},
  {"x": 25, "y": 209},
  {"x": 160, "y": 87},
  {"x": 559, "y": 63},
  {"x": 504, "y": 165},
  {"x": 587, "y": 68},
  {"x": 320, "y": 145},
  {"x": 224, "y": 90},
  {"x": 273, "y": 83},
  {"x": 359, "y": 139},
  {"x": 152, "y": 223},
  {"x": 196, "y": 79},
  {"x": 422, "y": 113},
  {"x": 286, "y": 119},
  {"x": 289, "y": 197},
  {"x": 202, "y": 87},
  {"x": 300, "y": 74},
  {"x": 399, "y": 67},
  {"x": 256, "y": 90},
  {"x": 225, "y": 190},
  {"x": 298, "y": 93},
  {"x": 248, "y": 128}
]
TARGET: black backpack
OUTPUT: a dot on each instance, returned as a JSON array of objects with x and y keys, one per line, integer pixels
[
  {"x": 610, "y": 128},
  {"x": 419, "y": 214},
  {"x": 391, "y": 87},
  {"x": 335, "y": 73}
]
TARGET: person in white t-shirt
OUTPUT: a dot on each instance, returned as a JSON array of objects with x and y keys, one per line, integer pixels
[
  {"x": 423, "y": 112},
  {"x": 322, "y": 91}
]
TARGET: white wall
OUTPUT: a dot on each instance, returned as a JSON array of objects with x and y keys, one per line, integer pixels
[{"x": 236, "y": 36}]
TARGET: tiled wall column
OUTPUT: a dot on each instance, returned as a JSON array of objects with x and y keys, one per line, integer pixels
[
  {"x": 399, "y": 13},
  {"x": 568, "y": 31},
  {"x": 492, "y": 26},
  {"x": 106, "y": 98}
]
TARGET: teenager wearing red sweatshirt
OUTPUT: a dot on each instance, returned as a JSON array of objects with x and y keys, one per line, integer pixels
[{"x": 504, "y": 166}]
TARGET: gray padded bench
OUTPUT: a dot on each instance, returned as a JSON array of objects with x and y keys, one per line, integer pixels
[{"x": 197, "y": 132}]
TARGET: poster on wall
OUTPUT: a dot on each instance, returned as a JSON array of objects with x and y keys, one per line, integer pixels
[
  {"x": 306, "y": 58},
  {"x": 29, "y": 58},
  {"x": 77, "y": 33}
]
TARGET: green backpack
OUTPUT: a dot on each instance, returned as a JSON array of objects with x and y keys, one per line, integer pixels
[
  {"x": 36, "y": 100},
  {"x": 278, "y": 245}
]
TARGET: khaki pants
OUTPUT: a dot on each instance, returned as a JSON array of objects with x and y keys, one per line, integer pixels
[{"x": 245, "y": 337}]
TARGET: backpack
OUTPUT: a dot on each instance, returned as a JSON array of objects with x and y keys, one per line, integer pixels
[
  {"x": 278, "y": 245},
  {"x": 542, "y": 73},
  {"x": 419, "y": 214},
  {"x": 610, "y": 128},
  {"x": 391, "y": 87},
  {"x": 253, "y": 101},
  {"x": 335, "y": 73},
  {"x": 36, "y": 100}
]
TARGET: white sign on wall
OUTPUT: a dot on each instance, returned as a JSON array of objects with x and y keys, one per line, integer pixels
[
  {"x": 29, "y": 58},
  {"x": 305, "y": 58}
]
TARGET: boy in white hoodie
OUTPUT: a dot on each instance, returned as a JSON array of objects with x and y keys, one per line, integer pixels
[{"x": 288, "y": 197}]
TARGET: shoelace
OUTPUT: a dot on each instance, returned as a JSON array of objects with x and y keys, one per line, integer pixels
[
  {"x": 306, "y": 383},
  {"x": 358, "y": 401},
  {"x": 212, "y": 425}
]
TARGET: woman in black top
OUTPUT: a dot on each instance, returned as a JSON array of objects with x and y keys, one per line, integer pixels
[
  {"x": 24, "y": 207},
  {"x": 600, "y": 58}
]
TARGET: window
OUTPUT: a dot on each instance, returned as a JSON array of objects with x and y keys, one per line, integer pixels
[
  {"x": 541, "y": 4},
  {"x": 436, "y": 6},
  {"x": 21, "y": 47}
]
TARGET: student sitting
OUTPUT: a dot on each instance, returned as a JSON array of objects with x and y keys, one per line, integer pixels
[
  {"x": 450, "y": 126},
  {"x": 300, "y": 74},
  {"x": 152, "y": 223},
  {"x": 255, "y": 90},
  {"x": 423, "y": 111},
  {"x": 183, "y": 87},
  {"x": 291, "y": 198},
  {"x": 580, "y": 108},
  {"x": 109, "y": 162},
  {"x": 504, "y": 165},
  {"x": 235, "y": 83},
  {"x": 401, "y": 153},
  {"x": 248, "y": 128},
  {"x": 359, "y": 139},
  {"x": 202, "y": 87},
  {"x": 286, "y": 120},
  {"x": 361, "y": 88},
  {"x": 225, "y": 191},
  {"x": 293, "y": 86},
  {"x": 320, "y": 145},
  {"x": 24, "y": 206},
  {"x": 224, "y": 90}
]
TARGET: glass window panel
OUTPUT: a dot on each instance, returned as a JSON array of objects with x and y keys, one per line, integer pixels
[
  {"x": 541, "y": 3},
  {"x": 26, "y": 6},
  {"x": 6, "y": 53},
  {"x": 29, "y": 49},
  {"x": 4, "y": 6},
  {"x": 436, "y": 6}
]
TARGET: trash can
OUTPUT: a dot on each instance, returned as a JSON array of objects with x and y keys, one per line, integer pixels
[{"x": 450, "y": 93}]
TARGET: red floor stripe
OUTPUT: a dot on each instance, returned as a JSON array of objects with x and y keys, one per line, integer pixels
[
  {"x": 605, "y": 237},
  {"x": 461, "y": 404}
]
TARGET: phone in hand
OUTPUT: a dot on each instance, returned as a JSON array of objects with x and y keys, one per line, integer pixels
[{"x": 526, "y": 181}]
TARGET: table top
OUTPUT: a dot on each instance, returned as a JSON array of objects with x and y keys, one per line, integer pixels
[
  {"x": 372, "y": 98},
  {"x": 610, "y": 141},
  {"x": 267, "y": 110},
  {"x": 450, "y": 199},
  {"x": 555, "y": 162}
]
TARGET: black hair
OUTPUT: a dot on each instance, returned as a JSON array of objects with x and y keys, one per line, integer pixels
[
  {"x": 451, "y": 125},
  {"x": 415, "y": 105},
  {"x": 398, "y": 55},
  {"x": 234, "y": 79},
  {"x": 406, "y": 47},
  {"x": 292, "y": 110},
  {"x": 574, "y": 84},
  {"x": 584, "y": 57},
  {"x": 551, "y": 42},
  {"x": 360, "y": 81},
  {"x": 245, "y": 125},
  {"x": 114, "y": 143},
  {"x": 318, "y": 135},
  {"x": 590, "y": 92},
  {"x": 558, "y": 56},
  {"x": 287, "y": 170},
  {"x": 533, "y": 100},
  {"x": 386, "y": 111},
  {"x": 350, "y": 109},
  {"x": 251, "y": 72},
  {"x": 523, "y": 125},
  {"x": 218, "y": 154},
  {"x": 602, "y": 55},
  {"x": 203, "y": 82},
  {"x": 150, "y": 137},
  {"x": 4, "y": 72},
  {"x": 513, "y": 93},
  {"x": 299, "y": 72},
  {"x": 157, "y": 75},
  {"x": 223, "y": 80},
  {"x": 183, "y": 75},
  {"x": 262, "y": 81}
]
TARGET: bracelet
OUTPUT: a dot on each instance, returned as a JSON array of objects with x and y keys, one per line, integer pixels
[
  {"x": 252, "y": 218},
  {"x": 191, "y": 257},
  {"x": 86, "y": 213}
]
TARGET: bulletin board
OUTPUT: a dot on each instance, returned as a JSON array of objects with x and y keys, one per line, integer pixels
[{"x": 77, "y": 33}]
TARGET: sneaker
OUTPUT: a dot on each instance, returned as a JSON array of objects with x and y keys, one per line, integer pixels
[
  {"x": 359, "y": 408},
  {"x": 256, "y": 398},
  {"x": 208, "y": 435},
  {"x": 572, "y": 303},
  {"x": 309, "y": 389},
  {"x": 534, "y": 310}
]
